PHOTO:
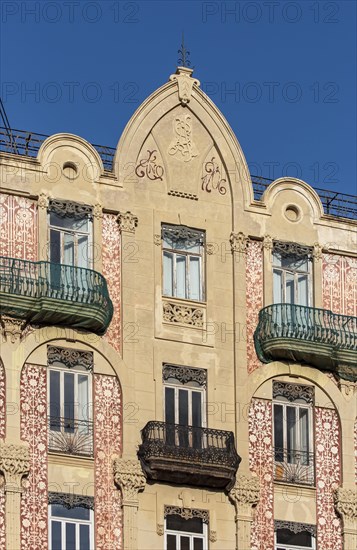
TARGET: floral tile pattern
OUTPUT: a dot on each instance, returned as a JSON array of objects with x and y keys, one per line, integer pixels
[
  {"x": 254, "y": 293},
  {"x": 340, "y": 284},
  {"x": 111, "y": 243},
  {"x": 18, "y": 227}
]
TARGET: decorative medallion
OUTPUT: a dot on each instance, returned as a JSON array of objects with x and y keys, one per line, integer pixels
[
  {"x": 148, "y": 167},
  {"x": 292, "y": 392},
  {"x": 212, "y": 179},
  {"x": 185, "y": 374},
  {"x": 182, "y": 146},
  {"x": 70, "y": 357}
]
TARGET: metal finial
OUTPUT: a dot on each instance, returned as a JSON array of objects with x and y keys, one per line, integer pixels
[{"x": 183, "y": 60}]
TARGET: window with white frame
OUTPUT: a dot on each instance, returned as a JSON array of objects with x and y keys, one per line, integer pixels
[
  {"x": 186, "y": 529},
  {"x": 293, "y": 433},
  {"x": 184, "y": 404},
  {"x": 70, "y": 522},
  {"x": 294, "y": 536},
  {"x": 70, "y": 401},
  {"x": 292, "y": 274},
  {"x": 183, "y": 262}
]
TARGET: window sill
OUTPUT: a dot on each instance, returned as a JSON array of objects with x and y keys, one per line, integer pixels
[{"x": 66, "y": 459}]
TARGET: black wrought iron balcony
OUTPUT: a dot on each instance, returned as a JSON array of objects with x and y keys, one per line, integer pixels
[
  {"x": 293, "y": 466},
  {"x": 46, "y": 293},
  {"x": 318, "y": 337},
  {"x": 188, "y": 455},
  {"x": 70, "y": 436}
]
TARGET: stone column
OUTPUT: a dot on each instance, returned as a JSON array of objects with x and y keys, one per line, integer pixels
[
  {"x": 244, "y": 495},
  {"x": 129, "y": 476},
  {"x": 14, "y": 464},
  {"x": 346, "y": 507}
]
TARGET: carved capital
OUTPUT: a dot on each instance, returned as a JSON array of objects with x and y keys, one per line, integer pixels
[
  {"x": 12, "y": 329},
  {"x": 239, "y": 242},
  {"x": 317, "y": 252},
  {"x": 160, "y": 529},
  {"x": 129, "y": 477},
  {"x": 97, "y": 211},
  {"x": 157, "y": 240},
  {"x": 245, "y": 493},
  {"x": 213, "y": 536},
  {"x": 267, "y": 242},
  {"x": 346, "y": 504},
  {"x": 127, "y": 221},
  {"x": 185, "y": 83},
  {"x": 43, "y": 200},
  {"x": 210, "y": 248},
  {"x": 14, "y": 464}
]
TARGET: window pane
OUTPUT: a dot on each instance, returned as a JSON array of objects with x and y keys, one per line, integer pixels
[
  {"x": 70, "y": 513},
  {"x": 291, "y": 433},
  {"x": 55, "y": 247},
  {"x": 277, "y": 259},
  {"x": 277, "y": 284},
  {"x": 70, "y": 536},
  {"x": 68, "y": 249},
  {"x": 304, "y": 432},
  {"x": 290, "y": 290},
  {"x": 181, "y": 276},
  {"x": 303, "y": 291},
  {"x": 83, "y": 252},
  {"x": 286, "y": 536},
  {"x": 278, "y": 433},
  {"x": 195, "y": 278},
  {"x": 170, "y": 405},
  {"x": 196, "y": 408},
  {"x": 197, "y": 544},
  {"x": 171, "y": 542},
  {"x": 55, "y": 409},
  {"x": 168, "y": 274},
  {"x": 83, "y": 400},
  {"x": 84, "y": 537},
  {"x": 56, "y": 538},
  {"x": 68, "y": 408},
  {"x": 184, "y": 543},
  {"x": 66, "y": 222},
  {"x": 177, "y": 523},
  {"x": 183, "y": 407}
]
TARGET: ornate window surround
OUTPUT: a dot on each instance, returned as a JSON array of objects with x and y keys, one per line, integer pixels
[
  {"x": 295, "y": 527},
  {"x": 70, "y": 357},
  {"x": 186, "y": 513},
  {"x": 292, "y": 391},
  {"x": 70, "y": 500},
  {"x": 184, "y": 374},
  {"x": 70, "y": 209},
  {"x": 287, "y": 248}
]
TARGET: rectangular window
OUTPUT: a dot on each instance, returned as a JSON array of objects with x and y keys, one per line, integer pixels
[
  {"x": 70, "y": 528},
  {"x": 296, "y": 539},
  {"x": 185, "y": 534},
  {"x": 70, "y": 240},
  {"x": 292, "y": 278},
  {"x": 293, "y": 438},
  {"x": 183, "y": 269}
]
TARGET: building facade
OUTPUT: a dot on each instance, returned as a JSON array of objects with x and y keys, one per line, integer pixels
[{"x": 178, "y": 356}]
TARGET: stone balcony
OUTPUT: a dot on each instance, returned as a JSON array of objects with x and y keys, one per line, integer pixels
[
  {"x": 45, "y": 293},
  {"x": 188, "y": 455},
  {"x": 317, "y": 337}
]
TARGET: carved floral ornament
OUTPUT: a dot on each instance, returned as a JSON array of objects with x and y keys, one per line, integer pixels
[
  {"x": 287, "y": 248},
  {"x": 184, "y": 315},
  {"x": 185, "y": 374},
  {"x": 70, "y": 209},
  {"x": 70, "y": 500},
  {"x": 127, "y": 222},
  {"x": 12, "y": 329},
  {"x": 70, "y": 357},
  {"x": 239, "y": 242},
  {"x": 346, "y": 503},
  {"x": 292, "y": 392},
  {"x": 186, "y": 513},
  {"x": 129, "y": 476},
  {"x": 245, "y": 491},
  {"x": 177, "y": 233},
  {"x": 14, "y": 464}
]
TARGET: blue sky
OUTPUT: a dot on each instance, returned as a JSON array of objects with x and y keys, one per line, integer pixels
[{"x": 282, "y": 72}]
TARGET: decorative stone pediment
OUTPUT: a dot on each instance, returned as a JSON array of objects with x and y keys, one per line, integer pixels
[
  {"x": 185, "y": 82},
  {"x": 129, "y": 477}
]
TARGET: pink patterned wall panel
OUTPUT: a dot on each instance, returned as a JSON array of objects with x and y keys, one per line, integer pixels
[
  {"x": 355, "y": 438},
  {"x": 108, "y": 441},
  {"x": 2, "y": 514},
  {"x": 111, "y": 243},
  {"x": 34, "y": 500},
  {"x": 340, "y": 284},
  {"x": 261, "y": 462},
  {"x": 328, "y": 477},
  {"x": 254, "y": 282},
  {"x": 18, "y": 227},
  {"x": 2, "y": 401}
]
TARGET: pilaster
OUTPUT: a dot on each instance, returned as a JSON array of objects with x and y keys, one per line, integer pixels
[
  {"x": 346, "y": 506},
  {"x": 244, "y": 495}
]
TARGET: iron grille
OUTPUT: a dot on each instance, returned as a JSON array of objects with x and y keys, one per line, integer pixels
[
  {"x": 69, "y": 436},
  {"x": 292, "y": 466}
]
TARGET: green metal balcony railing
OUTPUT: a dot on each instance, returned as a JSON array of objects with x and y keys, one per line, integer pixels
[
  {"x": 310, "y": 335},
  {"x": 46, "y": 293}
]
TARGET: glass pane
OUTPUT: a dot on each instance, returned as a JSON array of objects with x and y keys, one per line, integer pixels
[
  {"x": 70, "y": 513},
  {"x": 68, "y": 407},
  {"x": 277, "y": 259},
  {"x": 66, "y": 222},
  {"x": 304, "y": 434},
  {"x": 289, "y": 290},
  {"x": 195, "y": 278},
  {"x": 183, "y": 418},
  {"x": 84, "y": 537},
  {"x": 171, "y": 542},
  {"x": 56, "y": 538},
  {"x": 184, "y": 543},
  {"x": 181, "y": 276},
  {"x": 70, "y": 536},
  {"x": 197, "y": 544},
  {"x": 83, "y": 259},
  {"x": 55, "y": 400},
  {"x": 68, "y": 249},
  {"x": 286, "y": 536},
  {"x": 197, "y": 419},
  {"x": 55, "y": 247},
  {"x": 177, "y": 523},
  {"x": 291, "y": 434},
  {"x": 83, "y": 399},
  {"x": 277, "y": 288},
  {"x": 278, "y": 433},
  {"x": 168, "y": 274},
  {"x": 170, "y": 415},
  {"x": 303, "y": 291}
]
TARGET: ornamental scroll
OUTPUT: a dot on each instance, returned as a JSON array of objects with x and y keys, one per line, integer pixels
[
  {"x": 70, "y": 209},
  {"x": 185, "y": 374},
  {"x": 70, "y": 357},
  {"x": 292, "y": 392}
]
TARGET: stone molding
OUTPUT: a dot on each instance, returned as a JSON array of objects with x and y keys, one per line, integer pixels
[
  {"x": 129, "y": 477},
  {"x": 185, "y": 84},
  {"x": 14, "y": 464},
  {"x": 346, "y": 503},
  {"x": 127, "y": 222},
  {"x": 245, "y": 493},
  {"x": 239, "y": 242},
  {"x": 183, "y": 314}
]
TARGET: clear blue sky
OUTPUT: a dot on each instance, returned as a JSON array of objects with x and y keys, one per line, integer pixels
[{"x": 282, "y": 72}]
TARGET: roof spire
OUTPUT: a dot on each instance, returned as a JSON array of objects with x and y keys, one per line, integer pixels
[{"x": 183, "y": 60}]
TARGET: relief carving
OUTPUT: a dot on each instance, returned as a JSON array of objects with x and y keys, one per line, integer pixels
[
  {"x": 129, "y": 477},
  {"x": 239, "y": 242},
  {"x": 245, "y": 493},
  {"x": 127, "y": 221},
  {"x": 186, "y": 315},
  {"x": 148, "y": 167},
  {"x": 14, "y": 464},
  {"x": 42, "y": 201},
  {"x": 185, "y": 84},
  {"x": 212, "y": 179},
  {"x": 346, "y": 503},
  {"x": 12, "y": 329},
  {"x": 182, "y": 146}
]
